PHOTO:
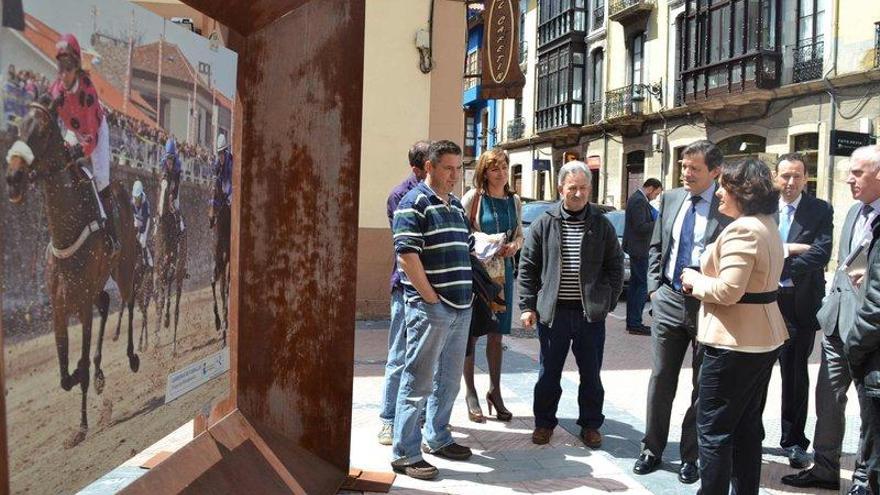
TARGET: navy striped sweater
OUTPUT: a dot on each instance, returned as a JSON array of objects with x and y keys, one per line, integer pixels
[{"x": 439, "y": 233}]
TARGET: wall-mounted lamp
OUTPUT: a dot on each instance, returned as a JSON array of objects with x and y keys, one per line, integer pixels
[
  {"x": 655, "y": 90},
  {"x": 423, "y": 45}
]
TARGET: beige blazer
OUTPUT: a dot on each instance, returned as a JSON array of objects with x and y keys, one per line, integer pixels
[{"x": 746, "y": 257}]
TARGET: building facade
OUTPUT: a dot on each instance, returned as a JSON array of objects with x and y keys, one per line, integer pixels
[{"x": 625, "y": 85}]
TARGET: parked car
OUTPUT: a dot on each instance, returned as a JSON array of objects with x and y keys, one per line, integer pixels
[
  {"x": 533, "y": 210},
  {"x": 618, "y": 220}
]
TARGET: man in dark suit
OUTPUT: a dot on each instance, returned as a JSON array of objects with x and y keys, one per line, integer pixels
[
  {"x": 688, "y": 222},
  {"x": 637, "y": 230},
  {"x": 805, "y": 224},
  {"x": 838, "y": 317}
]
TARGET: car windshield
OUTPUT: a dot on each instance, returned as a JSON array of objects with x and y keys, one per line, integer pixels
[
  {"x": 531, "y": 211},
  {"x": 617, "y": 220}
]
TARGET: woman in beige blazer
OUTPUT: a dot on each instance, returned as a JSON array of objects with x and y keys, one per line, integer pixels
[{"x": 740, "y": 327}]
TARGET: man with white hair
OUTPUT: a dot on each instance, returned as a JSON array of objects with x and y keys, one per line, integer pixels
[
  {"x": 570, "y": 276},
  {"x": 840, "y": 316}
]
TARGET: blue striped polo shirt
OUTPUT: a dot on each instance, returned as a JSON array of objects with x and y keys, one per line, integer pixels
[{"x": 439, "y": 233}]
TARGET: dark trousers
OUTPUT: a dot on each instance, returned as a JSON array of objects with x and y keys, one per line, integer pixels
[
  {"x": 637, "y": 291},
  {"x": 673, "y": 332},
  {"x": 733, "y": 390},
  {"x": 873, "y": 456},
  {"x": 793, "y": 360},
  {"x": 832, "y": 385},
  {"x": 587, "y": 343}
]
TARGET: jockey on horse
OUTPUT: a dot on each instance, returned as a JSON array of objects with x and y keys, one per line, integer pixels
[
  {"x": 222, "y": 176},
  {"x": 171, "y": 170},
  {"x": 76, "y": 101},
  {"x": 142, "y": 219}
]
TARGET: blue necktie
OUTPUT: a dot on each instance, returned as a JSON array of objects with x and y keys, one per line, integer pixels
[
  {"x": 685, "y": 242},
  {"x": 785, "y": 223}
]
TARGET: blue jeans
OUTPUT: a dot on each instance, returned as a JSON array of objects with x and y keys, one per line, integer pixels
[
  {"x": 637, "y": 291},
  {"x": 436, "y": 338},
  {"x": 587, "y": 343},
  {"x": 396, "y": 354}
]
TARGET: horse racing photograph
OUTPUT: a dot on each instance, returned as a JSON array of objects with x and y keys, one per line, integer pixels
[{"x": 115, "y": 226}]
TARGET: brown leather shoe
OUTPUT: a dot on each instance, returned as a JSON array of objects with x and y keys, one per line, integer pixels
[
  {"x": 591, "y": 437},
  {"x": 541, "y": 436}
]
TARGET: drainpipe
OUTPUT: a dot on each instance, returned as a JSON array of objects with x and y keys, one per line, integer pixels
[
  {"x": 832, "y": 121},
  {"x": 604, "y": 165}
]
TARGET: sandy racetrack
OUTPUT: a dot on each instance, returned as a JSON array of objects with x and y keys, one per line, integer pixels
[{"x": 130, "y": 414}]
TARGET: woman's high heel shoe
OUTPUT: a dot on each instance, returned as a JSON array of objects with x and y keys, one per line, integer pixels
[
  {"x": 475, "y": 414},
  {"x": 502, "y": 413}
]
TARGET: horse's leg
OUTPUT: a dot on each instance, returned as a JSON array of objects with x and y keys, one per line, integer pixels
[
  {"x": 160, "y": 303},
  {"x": 119, "y": 320},
  {"x": 217, "y": 321},
  {"x": 59, "y": 325},
  {"x": 134, "y": 362},
  {"x": 168, "y": 295},
  {"x": 177, "y": 313},
  {"x": 103, "y": 304},
  {"x": 225, "y": 287},
  {"x": 82, "y": 371},
  {"x": 225, "y": 295}
]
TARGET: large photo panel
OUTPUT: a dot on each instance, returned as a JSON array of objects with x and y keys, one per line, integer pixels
[{"x": 115, "y": 136}]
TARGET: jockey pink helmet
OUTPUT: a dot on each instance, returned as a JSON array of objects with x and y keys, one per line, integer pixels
[{"x": 68, "y": 45}]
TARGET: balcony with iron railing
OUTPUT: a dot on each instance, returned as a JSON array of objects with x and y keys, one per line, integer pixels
[
  {"x": 516, "y": 128},
  {"x": 624, "y": 102},
  {"x": 758, "y": 69},
  {"x": 624, "y": 11},
  {"x": 595, "y": 115},
  {"x": 808, "y": 60}
]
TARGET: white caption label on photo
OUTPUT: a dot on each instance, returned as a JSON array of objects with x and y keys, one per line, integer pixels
[{"x": 196, "y": 374}]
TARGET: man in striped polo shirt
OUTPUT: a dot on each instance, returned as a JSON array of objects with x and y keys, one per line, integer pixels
[
  {"x": 570, "y": 276},
  {"x": 433, "y": 243}
]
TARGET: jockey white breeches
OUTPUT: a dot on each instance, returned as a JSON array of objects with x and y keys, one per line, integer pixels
[{"x": 100, "y": 157}]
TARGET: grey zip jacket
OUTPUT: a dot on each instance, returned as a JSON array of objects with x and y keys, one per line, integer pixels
[{"x": 540, "y": 266}]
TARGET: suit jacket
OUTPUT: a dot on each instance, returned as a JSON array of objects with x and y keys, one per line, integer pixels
[
  {"x": 747, "y": 257},
  {"x": 837, "y": 313},
  {"x": 862, "y": 343},
  {"x": 638, "y": 226},
  {"x": 661, "y": 240},
  {"x": 813, "y": 224}
]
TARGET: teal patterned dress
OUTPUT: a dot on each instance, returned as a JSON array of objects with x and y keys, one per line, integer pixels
[{"x": 499, "y": 215}]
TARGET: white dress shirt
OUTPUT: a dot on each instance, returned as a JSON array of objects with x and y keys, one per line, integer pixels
[
  {"x": 703, "y": 208},
  {"x": 783, "y": 211}
]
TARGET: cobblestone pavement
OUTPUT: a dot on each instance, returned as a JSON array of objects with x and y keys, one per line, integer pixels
[{"x": 505, "y": 460}]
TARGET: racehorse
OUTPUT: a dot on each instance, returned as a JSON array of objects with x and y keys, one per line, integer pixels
[
  {"x": 79, "y": 258},
  {"x": 170, "y": 261},
  {"x": 142, "y": 294},
  {"x": 221, "y": 222}
]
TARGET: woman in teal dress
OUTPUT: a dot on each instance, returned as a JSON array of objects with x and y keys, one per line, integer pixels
[{"x": 493, "y": 209}]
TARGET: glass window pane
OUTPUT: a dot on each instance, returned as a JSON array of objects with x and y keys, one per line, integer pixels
[
  {"x": 769, "y": 24},
  {"x": 753, "y": 6},
  {"x": 724, "y": 40},
  {"x": 738, "y": 21},
  {"x": 806, "y": 7},
  {"x": 577, "y": 85}
]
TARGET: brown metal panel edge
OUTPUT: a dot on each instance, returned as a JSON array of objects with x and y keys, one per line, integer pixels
[
  {"x": 4, "y": 446},
  {"x": 245, "y": 17},
  {"x": 300, "y": 440}
]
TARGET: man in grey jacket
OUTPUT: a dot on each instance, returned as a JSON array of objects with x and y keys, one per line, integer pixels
[
  {"x": 839, "y": 316},
  {"x": 570, "y": 276}
]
